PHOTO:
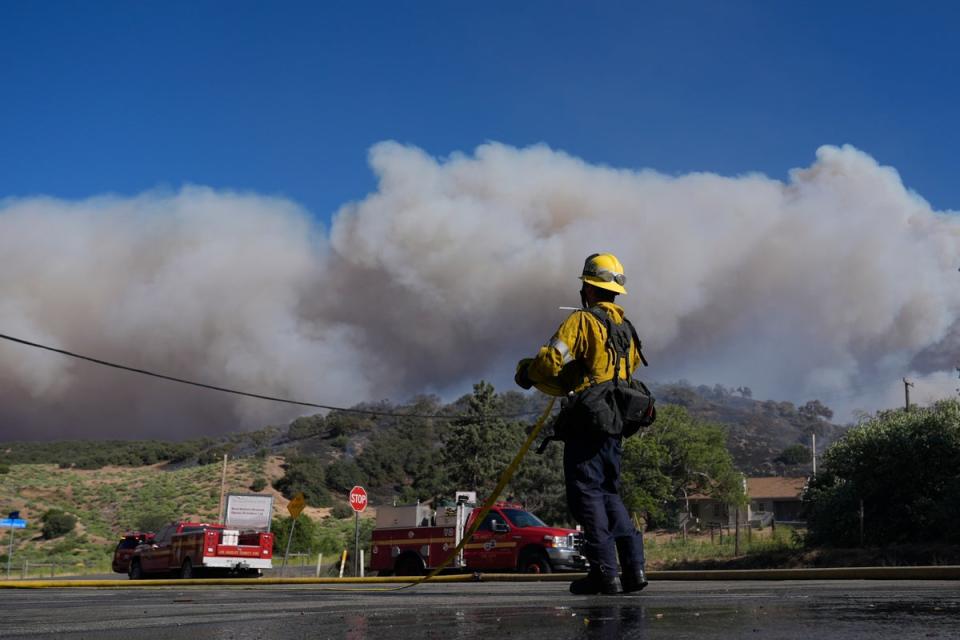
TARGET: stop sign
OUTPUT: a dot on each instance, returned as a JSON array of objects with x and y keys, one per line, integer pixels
[{"x": 358, "y": 498}]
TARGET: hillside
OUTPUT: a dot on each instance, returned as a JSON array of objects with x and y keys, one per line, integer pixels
[
  {"x": 757, "y": 431},
  {"x": 112, "y": 499},
  {"x": 385, "y": 453}
]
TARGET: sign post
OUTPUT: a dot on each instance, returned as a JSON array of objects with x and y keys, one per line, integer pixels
[
  {"x": 295, "y": 507},
  {"x": 358, "y": 502},
  {"x": 14, "y": 522}
]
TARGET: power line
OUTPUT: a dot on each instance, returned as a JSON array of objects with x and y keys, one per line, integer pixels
[{"x": 373, "y": 412}]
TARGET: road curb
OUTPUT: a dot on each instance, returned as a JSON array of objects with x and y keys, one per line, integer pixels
[{"x": 951, "y": 572}]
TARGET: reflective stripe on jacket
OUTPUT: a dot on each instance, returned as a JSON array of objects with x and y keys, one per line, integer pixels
[{"x": 576, "y": 355}]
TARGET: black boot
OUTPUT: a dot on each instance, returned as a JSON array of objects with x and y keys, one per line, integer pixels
[
  {"x": 596, "y": 583},
  {"x": 634, "y": 581}
]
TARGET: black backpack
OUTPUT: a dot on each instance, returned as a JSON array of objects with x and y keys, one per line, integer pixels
[
  {"x": 620, "y": 407},
  {"x": 615, "y": 407}
]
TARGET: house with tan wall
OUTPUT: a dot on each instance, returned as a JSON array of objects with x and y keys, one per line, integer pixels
[{"x": 770, "y": 499}]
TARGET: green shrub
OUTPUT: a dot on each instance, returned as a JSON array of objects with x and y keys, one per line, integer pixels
[
  {"x": 304, "y": 534},
  {"x": 4, "y": 468},
  {"x": 259, "y": 484},
  {"x": 152, "y": 521},
  {"x": 56, "y": 523},
  {"x": 333, "y": 536},
  {"x": 341, "y": 511}
]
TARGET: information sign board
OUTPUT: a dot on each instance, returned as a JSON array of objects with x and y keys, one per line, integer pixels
[{"x": 249, "y": 511}]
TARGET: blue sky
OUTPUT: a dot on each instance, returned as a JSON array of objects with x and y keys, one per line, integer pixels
[{"x": 287, "y": 98}]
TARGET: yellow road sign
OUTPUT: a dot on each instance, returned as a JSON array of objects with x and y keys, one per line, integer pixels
[{"x": 296, "y": 505}]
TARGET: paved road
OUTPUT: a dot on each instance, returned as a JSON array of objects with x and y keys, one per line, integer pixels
[{"x": 703, "y": 610}]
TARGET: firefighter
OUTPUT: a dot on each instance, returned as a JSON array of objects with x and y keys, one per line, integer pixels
[{"x": 574, "y": 359}]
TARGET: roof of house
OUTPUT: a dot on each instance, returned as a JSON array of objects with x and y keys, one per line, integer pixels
[
  {"x": 775, "y": 487},
  {"x": 768, "y": 488}
]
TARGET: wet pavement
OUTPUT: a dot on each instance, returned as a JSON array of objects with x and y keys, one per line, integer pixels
[{"x": 675, "y": 610}]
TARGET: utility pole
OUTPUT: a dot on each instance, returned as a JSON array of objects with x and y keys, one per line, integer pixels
[
  {"x": 10, "y": 553},
  {"x": 813, "y": 450},
  {"x": 906, "y": 393},
  {"x": 223, "y": 487},
  {"x": 861, "y": 523}
]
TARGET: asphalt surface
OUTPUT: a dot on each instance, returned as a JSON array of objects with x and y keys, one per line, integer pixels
[{"x": 675, "y": 610}]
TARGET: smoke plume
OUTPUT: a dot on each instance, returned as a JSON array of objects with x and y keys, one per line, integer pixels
[{"x": 832, "y": 285}]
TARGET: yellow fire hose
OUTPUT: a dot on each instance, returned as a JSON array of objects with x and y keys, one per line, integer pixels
[{"x": 950, "y": 572}]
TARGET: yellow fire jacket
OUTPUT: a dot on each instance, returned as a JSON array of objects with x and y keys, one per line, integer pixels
[{"x": 576, "y": 355}]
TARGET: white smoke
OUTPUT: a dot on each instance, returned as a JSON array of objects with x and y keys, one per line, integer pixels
[{"x": 833, "y": 285}]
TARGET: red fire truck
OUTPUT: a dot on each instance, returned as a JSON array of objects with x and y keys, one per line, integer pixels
[
  {"x": 188, "y": 549},
  {"x": 411, "y": 540},
  {"x": 124, "y": 549}
]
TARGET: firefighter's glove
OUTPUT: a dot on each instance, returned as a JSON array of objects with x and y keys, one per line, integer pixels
[{"x": 522, "y": 378}]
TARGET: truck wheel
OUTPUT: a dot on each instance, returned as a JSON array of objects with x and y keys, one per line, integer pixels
[
  {"x": 409, "y": 565},
  {"x": 534, "y": 562},
  {"x": 135, "y": 572},
  {"x": 186, "y": 571}
]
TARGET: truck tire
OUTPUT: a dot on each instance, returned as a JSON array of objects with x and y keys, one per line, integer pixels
[
  {"x": 409, "y": 565},
  {"x": 534, "y": 561},
  {"x": 186, "y": 570},
  {"x": 135, "y": 572}
]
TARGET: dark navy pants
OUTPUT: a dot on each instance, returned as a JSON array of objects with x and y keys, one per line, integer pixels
[{"x": 591, "y": 471}]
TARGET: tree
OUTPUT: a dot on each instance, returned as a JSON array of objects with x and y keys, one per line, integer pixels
[
  {"x": 478, "y": 448},
  {"x": 675, "y": 458},
  {"x": 795, "y": 454},
  {"x": 57, "y": 523},
  {"x": 305, "y": 427},
  {"x": 261, "y": 438},
  {"x": 538, "y": 483},
  {"x": 786, "y": 409},
  {"x": 405, "y": 454},
  {"x": 902, "y": 466},
  {"x": 721, "y": 393},
  {"x": 343, "y": 424},
  {"x": 342, "y": 475},
  {"x": 304, "y": 474},
  {"x": 815, "y": 409},
  {"x": 213, "y": 455},
  {"x": 304, "y": 534}
]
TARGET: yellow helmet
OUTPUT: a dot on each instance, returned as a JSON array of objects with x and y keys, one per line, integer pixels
[{"x": 605, "y": 271}]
